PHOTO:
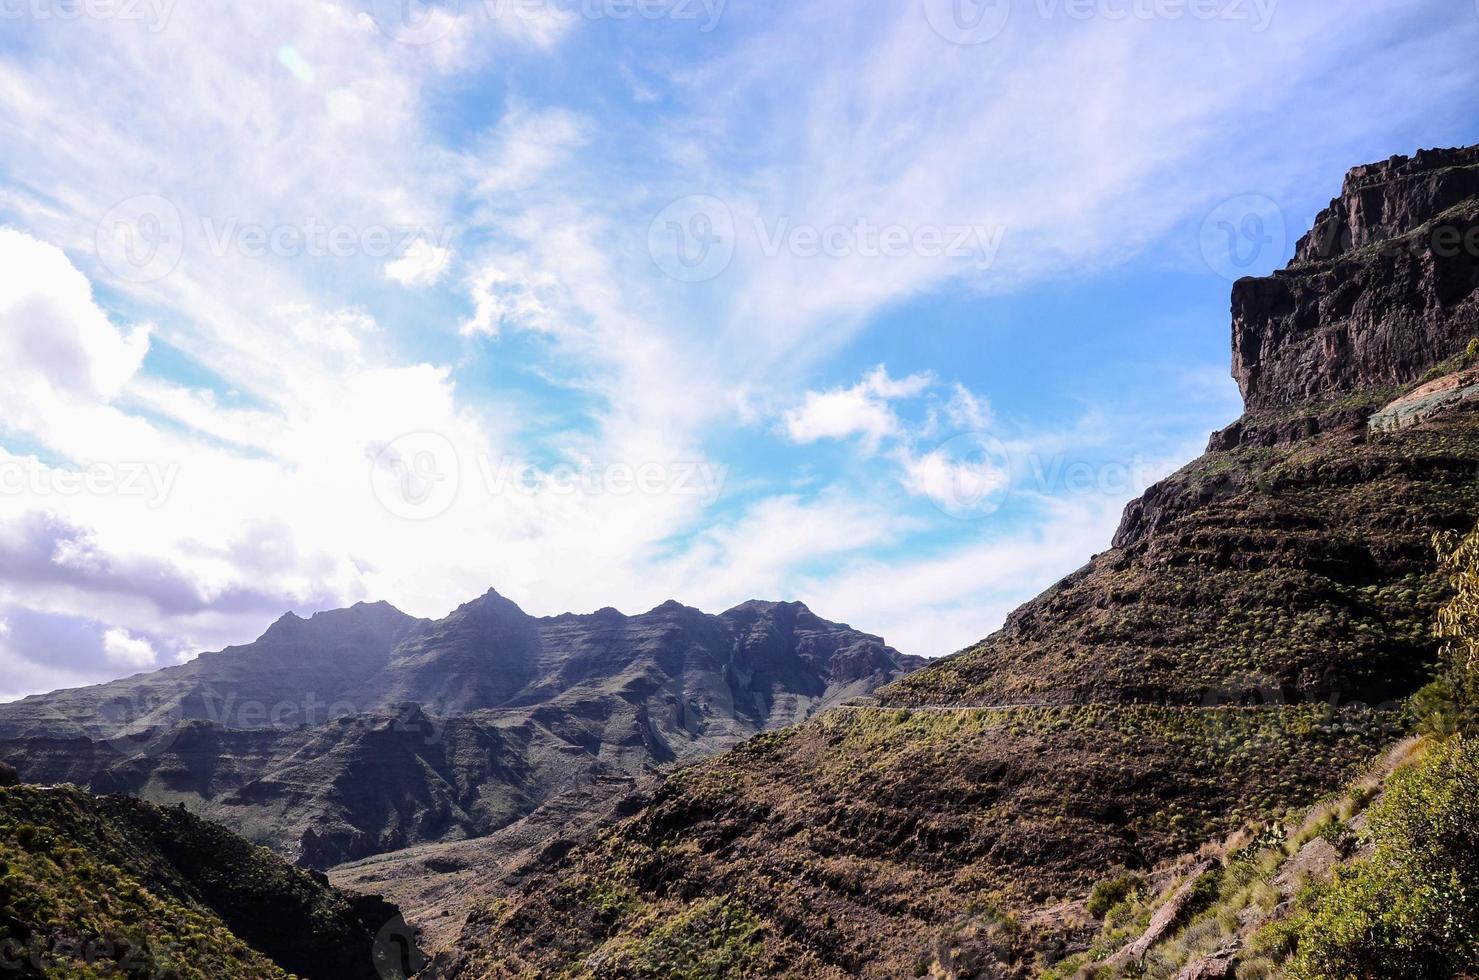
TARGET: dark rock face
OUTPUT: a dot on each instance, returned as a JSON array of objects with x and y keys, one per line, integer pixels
[
  {"x": 365, "y": 730},
  {"x": 8, "y": 775},
  {"x": 1381, "y": 291},
  {"x": 1386, "y": 200}
]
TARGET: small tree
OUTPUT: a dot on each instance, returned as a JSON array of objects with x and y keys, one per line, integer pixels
[{"x": 1447, "y": 706}]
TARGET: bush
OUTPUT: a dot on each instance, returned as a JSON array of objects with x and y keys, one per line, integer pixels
[
  {"x": 1410, "y": 910},
  {"x": 1107, "y": 894}
]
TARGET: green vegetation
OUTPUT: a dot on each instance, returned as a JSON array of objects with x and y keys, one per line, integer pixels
[
  {"x": 1393, "y": 895},
  {"x": 1411, "y": 908},
  {"x": 80, "y": 899},
  {"x": 1111, "y": 893},
  {"x": 109, "y": 886},
  {"x": 1450, "y": 705},
  {"x": 713, "y": 940}
]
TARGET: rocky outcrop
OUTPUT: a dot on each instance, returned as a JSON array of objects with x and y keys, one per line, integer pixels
[
  {"x": 1165, "y": 917},
  {"x": 1381, "y": 291},
  {"x": 1427, "y": 399},
  {"x": 1385, "y": 200}
]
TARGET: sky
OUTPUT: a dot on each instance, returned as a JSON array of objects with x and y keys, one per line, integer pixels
[{"x": 887, "y": 307}]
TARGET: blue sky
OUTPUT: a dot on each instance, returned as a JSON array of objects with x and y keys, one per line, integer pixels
[{"x": 887, "y": 307}]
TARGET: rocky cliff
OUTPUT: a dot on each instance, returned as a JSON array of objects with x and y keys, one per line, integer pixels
[
  {"x": 1294, "y": 559},
  {"x": 1381, "y": 291}
]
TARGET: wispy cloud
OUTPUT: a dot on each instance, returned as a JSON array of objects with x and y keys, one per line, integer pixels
[{"x": 289, "y": 289}]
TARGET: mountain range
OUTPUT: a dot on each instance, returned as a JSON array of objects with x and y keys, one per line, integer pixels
[{"x": 365, "y": 730}]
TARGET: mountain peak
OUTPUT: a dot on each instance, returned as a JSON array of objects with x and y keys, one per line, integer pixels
[
  {"x": 492, "y": 603},
  {"x": 671, "y": 606},
  {"x": 767, "y": 605},
  {"x": 285, "y": 625}
]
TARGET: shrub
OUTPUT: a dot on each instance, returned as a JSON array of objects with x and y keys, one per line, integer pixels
[
  {"x": 1410, "y": 910},
  {"x": 1107, "y": 894}
]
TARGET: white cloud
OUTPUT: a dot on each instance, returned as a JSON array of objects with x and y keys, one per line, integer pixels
[
  {"x": 954, "y": 482},
  {"x": 760, "y": 553},
  {"x": 423, "y": 264},
  {"x": 523, "y": 151},
  {"x": 967, "y": 411},
  {"x": 123, "y": 650},
  {"x": 54, "y": 342},
  {"x": 519, "y": 300},
  {"x": 936, "y": 605},
  {"x": 862, "y": 409}
]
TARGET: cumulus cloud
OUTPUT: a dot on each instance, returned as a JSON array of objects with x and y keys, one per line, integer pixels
[
  {"x": 516, "y": 300},
  {"x": 957, "y": 481},
  {"x": 422, "y": 265},
  {"x": 54, "y": 341},
  {"x": 860, "y": 410},
  {"x": 125, "y": 650}
]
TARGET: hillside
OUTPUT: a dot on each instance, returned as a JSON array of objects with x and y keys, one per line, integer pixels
[
  {"x": 1204, "y": 672},
  {"x": 104, "y": 886},
  {"x": 1294, "y": 558},
  {"x": 364, "y": 730}
]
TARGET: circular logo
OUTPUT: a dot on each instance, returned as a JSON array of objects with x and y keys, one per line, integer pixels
[
  {"x": 417, "y": 22},
  {"x": 692, "y": 239},
  {"x": 1243, "y": 236},
  {"x": 968, "y": 21},
  {"x": 396, "y": 955},
  {"x": 967, "y": 476},
  {"x": 141, "y": 239},
  {"x": 417, "y": 476},
  {"x": 142, "y": 723}
]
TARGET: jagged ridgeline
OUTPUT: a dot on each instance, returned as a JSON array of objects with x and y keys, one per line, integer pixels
[
  {"x": 365, "y": 730},
  {"x": 1244, "y": 648}
]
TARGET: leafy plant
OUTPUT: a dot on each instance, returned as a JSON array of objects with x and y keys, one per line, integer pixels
[
  {"x": 1410, "y": 910},
  {"x": 1107, "y": 894}
]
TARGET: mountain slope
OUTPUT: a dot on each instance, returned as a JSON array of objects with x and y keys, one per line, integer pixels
[
  {"x": 1294, "y": 558},
  {"x": 111, "y": 885},
  {"x": 364, "y": 730},
  {"x": 1195, "y": 676}
]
